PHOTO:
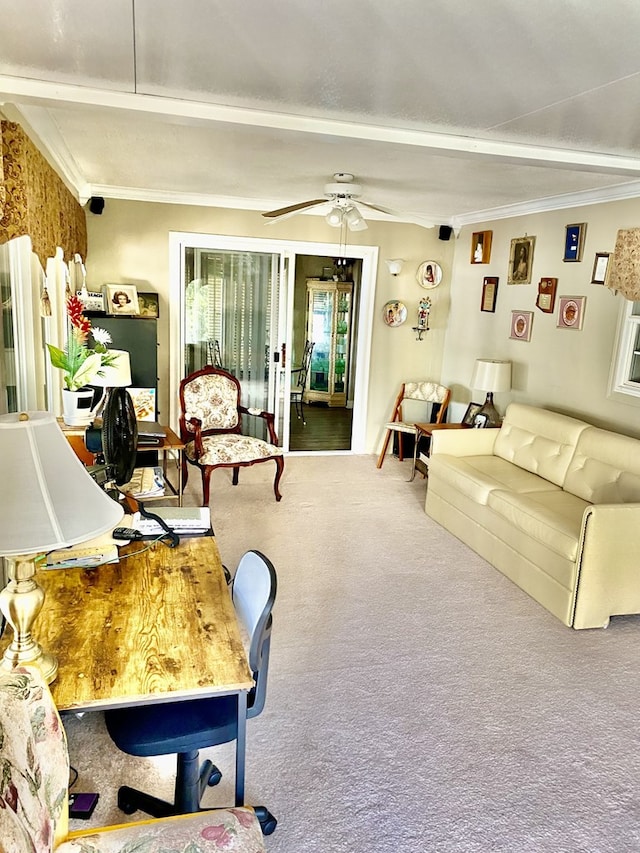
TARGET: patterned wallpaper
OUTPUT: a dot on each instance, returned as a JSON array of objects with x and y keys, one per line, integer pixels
[{"x": 35, "y": 201}]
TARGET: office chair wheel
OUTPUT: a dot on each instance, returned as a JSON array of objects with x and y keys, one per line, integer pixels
[
  {"x": 214, "y": 777},
  {"x": 124, "y": 803},
  {"x": 267, "y": 821}
]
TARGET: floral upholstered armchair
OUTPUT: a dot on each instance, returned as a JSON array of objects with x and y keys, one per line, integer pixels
[
  {"x": 34, "y": 775},
  {"x": 211, "y": 428}
]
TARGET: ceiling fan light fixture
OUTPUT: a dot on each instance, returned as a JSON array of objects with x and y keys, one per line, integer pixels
[
  {"x": 355, "y": 220},
  {"x": 334, "y": 217}
]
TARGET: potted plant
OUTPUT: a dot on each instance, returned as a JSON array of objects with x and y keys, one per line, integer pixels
[{"x": 80, "y": 363}]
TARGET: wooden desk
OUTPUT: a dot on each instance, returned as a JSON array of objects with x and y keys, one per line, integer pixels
[
  {"x": 158, "y": 626},
  {"x": 427, "y": 430}
]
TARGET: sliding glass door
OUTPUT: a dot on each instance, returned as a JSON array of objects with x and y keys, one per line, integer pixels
[{"x": 230, "y": 309}]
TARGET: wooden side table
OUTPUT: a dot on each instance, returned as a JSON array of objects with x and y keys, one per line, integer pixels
[{"x": 424, "y": 430}]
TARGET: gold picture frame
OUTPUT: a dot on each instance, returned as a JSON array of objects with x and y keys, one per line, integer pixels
[{"x": 521, "y": 260}]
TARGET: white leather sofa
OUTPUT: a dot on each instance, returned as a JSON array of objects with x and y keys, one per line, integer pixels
[{"x": 550, "y": 501}]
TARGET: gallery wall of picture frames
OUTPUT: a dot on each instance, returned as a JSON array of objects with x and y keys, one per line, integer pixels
[{"x": 569, "y": 311}]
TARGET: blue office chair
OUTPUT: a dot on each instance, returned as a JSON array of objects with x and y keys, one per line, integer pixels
[{"x": 188, "y": 726}]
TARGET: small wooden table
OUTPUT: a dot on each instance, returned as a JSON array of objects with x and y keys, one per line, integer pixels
[
  {"x": 170, "y": 443},
  {"x": 427, "y": 430},
  {"x": 159, "y": 626}
]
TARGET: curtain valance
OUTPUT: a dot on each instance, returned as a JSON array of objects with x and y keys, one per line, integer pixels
[{"x": 35, "y": 201}]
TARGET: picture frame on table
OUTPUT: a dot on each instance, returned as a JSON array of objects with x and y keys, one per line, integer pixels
[
  {"x": 600, "y": 268},
  {"x": 571, "y": 312},
  {"x": 521, "y": 260},
  {"x": 574, "y": 241},
  {"x": 472, "y": 411},
  {"x": 144, "y": 403},
  {"x": 148, "y": 304},
  {"x": 481, "y": 247},
  {"x": 521, "y": 323},
  {"x": 489, "y": 293},
  {"x": 480, "y": 420},
  {"x": 121, "y": 299}
]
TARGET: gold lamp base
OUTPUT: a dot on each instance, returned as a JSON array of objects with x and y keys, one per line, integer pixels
[{"x": 20, "y": 602}]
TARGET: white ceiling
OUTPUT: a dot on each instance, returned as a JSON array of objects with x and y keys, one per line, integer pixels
[{"x": 449, "y": 112}]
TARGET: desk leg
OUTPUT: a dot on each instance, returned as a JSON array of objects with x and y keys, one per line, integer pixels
[
  {"x": 241, "y": 747},
  {"x": 415, "y": 455}
]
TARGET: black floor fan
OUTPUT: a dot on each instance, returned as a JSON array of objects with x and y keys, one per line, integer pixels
[{"x": 119, "y": 434}]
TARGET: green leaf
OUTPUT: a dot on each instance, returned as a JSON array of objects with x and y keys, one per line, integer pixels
[{"x": 58, "y": 357}]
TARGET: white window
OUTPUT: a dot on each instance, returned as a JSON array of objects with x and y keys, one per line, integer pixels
[{"x": 626, "y": 375}]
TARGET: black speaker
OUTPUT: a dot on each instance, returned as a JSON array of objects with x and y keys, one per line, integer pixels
[
  {"x": 445, "y": 232},
  {"x": 96, "y": 204}
]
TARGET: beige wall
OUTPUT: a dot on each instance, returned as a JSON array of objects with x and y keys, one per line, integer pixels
[
  {"x": 567, "y": 371},
  {"x": 129, "y": 242}
]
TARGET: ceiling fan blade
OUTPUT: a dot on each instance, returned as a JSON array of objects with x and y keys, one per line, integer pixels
[
  {"x": 380, "y": 209},
  {"x": 293, "y": 208}
]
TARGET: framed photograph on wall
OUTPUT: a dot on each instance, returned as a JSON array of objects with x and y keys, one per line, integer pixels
[
  {"x": 571, "y": 312},
  {"x": 600, "y": 267},
  {"x": 489, "y": 293},
  {"x": 547, "y": 294},
  {"x": 121, "y": 299},
  {"x": 521, "y": 322},
  {"x": 521, "y": 260},
  {"x": 574, "y": 241},
  {"x": 481, "y": 247},
  {"x": 472, "y": 411},
  {"x": 148, "y": 304}
]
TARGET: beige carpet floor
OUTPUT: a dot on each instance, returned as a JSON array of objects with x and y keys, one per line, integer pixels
[{"x": 418, "y": 700}]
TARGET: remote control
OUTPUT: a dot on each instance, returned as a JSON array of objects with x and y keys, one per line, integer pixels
[{"x": 126, "y": 533}]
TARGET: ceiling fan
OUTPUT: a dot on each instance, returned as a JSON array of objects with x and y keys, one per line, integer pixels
[{"x": 339, "y": 195}]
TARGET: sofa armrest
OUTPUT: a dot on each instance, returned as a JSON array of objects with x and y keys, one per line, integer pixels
[
  {"x": 608, "y": 582},
  {"x": 464, "y": 442}
]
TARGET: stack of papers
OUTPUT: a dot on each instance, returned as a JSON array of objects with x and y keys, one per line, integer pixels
[
  {"x": 145, "y": 483},
  {"x": 181, "y": 519}
]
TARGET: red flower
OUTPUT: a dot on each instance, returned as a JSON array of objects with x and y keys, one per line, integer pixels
[{"x": 244, "y": 818}]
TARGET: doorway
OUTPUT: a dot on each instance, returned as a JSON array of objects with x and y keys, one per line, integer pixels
[{"x": 325, "y": 302}]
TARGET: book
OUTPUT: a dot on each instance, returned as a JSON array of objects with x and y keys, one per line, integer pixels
[
  {"x": 145, "y": 483},
  {"x": 81, "y": 557}
]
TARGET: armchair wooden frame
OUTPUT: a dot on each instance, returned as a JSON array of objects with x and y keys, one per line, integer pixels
[{"x": 211, "y": 427}]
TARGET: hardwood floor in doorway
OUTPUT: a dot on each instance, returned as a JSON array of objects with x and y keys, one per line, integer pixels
[{"x": 327, "y": 428}]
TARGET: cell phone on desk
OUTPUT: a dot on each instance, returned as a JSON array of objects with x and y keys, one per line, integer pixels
[{"x": 126, "y": 533}]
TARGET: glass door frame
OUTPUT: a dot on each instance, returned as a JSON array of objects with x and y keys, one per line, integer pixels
[{"x": 288, "y": 250}]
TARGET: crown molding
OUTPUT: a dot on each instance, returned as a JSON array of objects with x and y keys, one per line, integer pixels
[{"x": 618, "y": 192}]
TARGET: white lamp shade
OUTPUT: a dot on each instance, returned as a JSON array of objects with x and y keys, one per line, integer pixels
[
  {"x": 491, "y": 375},
  {"x": 52, "y": 501},
  {"x": 334, "y": 217},
  {"x": 117, "y": 374}
]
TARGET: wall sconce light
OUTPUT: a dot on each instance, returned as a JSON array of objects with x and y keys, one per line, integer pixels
[{"x": 394, "y": 265}]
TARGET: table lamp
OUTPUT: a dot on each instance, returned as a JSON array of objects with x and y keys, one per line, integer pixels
[
  {"x": 119, "y": 425},
  {"x": 54, "y": 503},
  {"x": 492, "y": 376}
]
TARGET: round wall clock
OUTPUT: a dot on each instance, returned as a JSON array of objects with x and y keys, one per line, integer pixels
[
  {"x": 429, "y": 274},
  {"x": 394, "y": 313}
]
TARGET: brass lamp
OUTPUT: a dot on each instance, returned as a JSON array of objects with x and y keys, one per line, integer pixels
[
  {"x": 53, "y": 503},
  {"x": 491, "y": 375}
]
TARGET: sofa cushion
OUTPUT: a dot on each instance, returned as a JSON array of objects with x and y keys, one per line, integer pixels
[
  {"x": 553, "y": 517},
  {"x": 605, "y": 468},
  {"x": 477, "y": 476},
  {"x": 539, "y": 441}
]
